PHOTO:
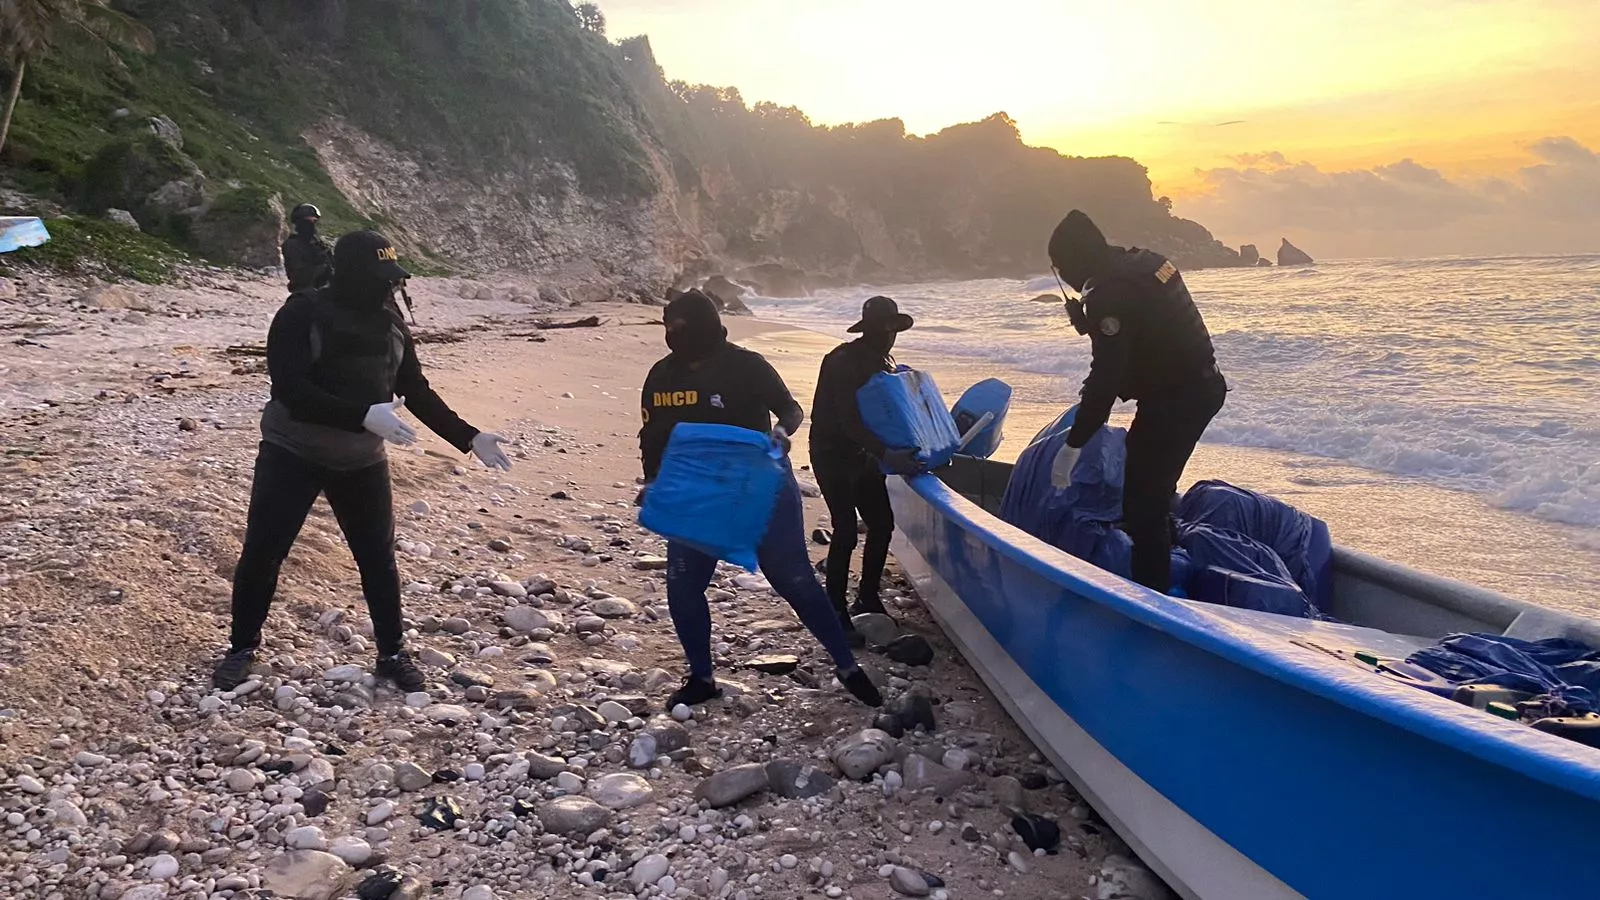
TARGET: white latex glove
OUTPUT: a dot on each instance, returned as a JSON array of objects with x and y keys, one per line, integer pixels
[
  {"x": 780, "y": 436},
  {"x": 1061, "y": 468},
  {"x": 486, "y": 447},
  {"x": 383, "y": 420}
]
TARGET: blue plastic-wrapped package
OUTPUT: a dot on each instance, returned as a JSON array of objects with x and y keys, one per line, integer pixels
[
  {"x": 905, "y": 410},
  {"x": 716, "y": 491}
]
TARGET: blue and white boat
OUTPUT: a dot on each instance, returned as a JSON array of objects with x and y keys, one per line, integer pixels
[{"x": 1239, "y": 760}]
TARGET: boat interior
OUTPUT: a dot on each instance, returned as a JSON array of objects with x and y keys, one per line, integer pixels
[{"x": 1380, "y": 606}]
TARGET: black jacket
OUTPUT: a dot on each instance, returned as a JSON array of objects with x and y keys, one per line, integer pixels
[
  {"x": 836, "y": 426},
  {"x": 330, "y": 361},
  {"x": 308, "y": 261},
  {"x": 1148, "y": 337},
  {"x": 732, "y": 386}
]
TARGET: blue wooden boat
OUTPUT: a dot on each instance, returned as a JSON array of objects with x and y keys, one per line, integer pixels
[{"x": 1240, "y": 753}]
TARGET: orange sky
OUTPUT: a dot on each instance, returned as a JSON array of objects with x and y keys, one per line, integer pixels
[{"x": 1465, "y": 87}]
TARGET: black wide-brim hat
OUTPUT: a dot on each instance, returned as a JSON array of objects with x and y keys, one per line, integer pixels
[{"x": 881, "y": 314}]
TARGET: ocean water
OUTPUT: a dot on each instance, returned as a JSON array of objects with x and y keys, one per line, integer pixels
[{"x": 1445, "y": 413}]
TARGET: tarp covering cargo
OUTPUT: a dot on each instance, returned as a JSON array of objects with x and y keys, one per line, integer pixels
[
  {"x": 906, "y": 411},
  {"x": 17, "y": 232},
  {"x": 715, "y": 492},
  {"x": 1234, "y": 547}
]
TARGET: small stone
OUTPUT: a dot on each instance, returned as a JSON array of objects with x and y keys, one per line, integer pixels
[
  {"x": 544, "y": 767},
  {"x": 500, "y": 545},
  {"x": 1007, "y": 791},
  {"x": 449, "y": 714},
  {"x": 473, "y": 772},
  {"x": 914, "y": 710},
  {"x": 314, "y": 802},
  {"x": 162, "y": 867},
  {"x": 615, "y": 712},
  {"x": 923, "y": 774},
  {"x": 650, "y": 563},
  {"x": 642, "y": 752},
  {"x": 89, "y": 760},
  {"x": 306, "y": 837},
  {"x": 187, "y": 424},
  {"x": 682, "y": 712},
  {"x": 622, "y": 790},
  {"x": 409, "y": 776},
  {"x": 29, "y": 784},
  {"x": 570, "y": 782},
  {"x": 418, "y": 699},
  {"x": 732, "y": 785},
  {"x": 353, "y": 851},
  {"x": 908, "y": 882},
  {"x": 877, "y": 628},
  {"x": 478, "y": 892},
  {"x": 509, "y": 589},
  {"x": 774, "y": 663},
  {"x": 347, "y": 674},
  {"x": 863, "y": 753},
  {"x": 648, "y": 871},
  {"x": 420, "y": 507},
  {"x": 957, "y": 759},
  {"x": 240, "y": 780},
  {"x": 573, "y": 816},
  {"x": 455, "y": 625},
  {"x": 1017, "y": 862},
  {"x": 670, "y": 737},
  {"x": 792, "y": 780},
  {"x": 527, "y": 619},
  {"x": 909, "y": 649},
  {"x": 614, "y": 608},
  {"x": 380, "y": 812}
]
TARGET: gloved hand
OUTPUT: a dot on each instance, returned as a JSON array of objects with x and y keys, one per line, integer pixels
[
  {"x": 780, "y": 437},
  {"x": 383, "y": 420},
  {"x": 902, "y": 462},
  {"x": 1061, "y": 467},
  {"x": 486, "y": 447}
]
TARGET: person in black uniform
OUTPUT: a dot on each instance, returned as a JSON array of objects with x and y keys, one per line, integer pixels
[
  {"x": 307, "y": 258},
  {"x": 1150, "y": 345},
  {"x": 338, "y": 357},
  {"x": 707, "y": 379},
  {"x": 845, "y": 454}
]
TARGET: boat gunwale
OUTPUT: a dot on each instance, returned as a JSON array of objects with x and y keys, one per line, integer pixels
[{"x": 1546, "y": 758}]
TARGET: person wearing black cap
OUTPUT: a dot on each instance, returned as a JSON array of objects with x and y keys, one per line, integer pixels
[
  {"x": 1150, "y": 345},
  {"x": 307, "y": 258},
  {"x": 845, "y": 454},
  {"x": 338, "y": 358},
  {"x": 710, "y": 380}
]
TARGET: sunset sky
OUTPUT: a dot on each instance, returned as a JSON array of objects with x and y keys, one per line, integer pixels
[{"x": 1257, "y": 118}]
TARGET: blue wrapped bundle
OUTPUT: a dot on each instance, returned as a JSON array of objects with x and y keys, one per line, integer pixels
[
  {"x": 906, "y": 411},
  {"x": 715, "y": 492}
]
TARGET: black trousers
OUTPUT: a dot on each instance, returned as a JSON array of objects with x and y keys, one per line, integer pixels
[
  {"x": 285, "y": 487},
  {"x": 852, "y": 485},
  {"x": 1160, "y": 441}
]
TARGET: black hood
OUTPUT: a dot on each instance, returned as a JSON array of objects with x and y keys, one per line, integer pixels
[
  {"x": 1078, "y": 250},
  {"x": 694, "y": 327}
]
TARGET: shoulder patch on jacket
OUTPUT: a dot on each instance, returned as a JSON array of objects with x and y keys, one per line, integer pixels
[
  {"x": 1165, "y": 273},
  {"x": 1110, "y": 325}
]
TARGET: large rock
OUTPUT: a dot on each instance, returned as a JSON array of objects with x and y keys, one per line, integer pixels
[
  {"x": 527, "y": 619},
  {"x": 114, "y": 296},
  {"x": 1290, "y": 255},
  {"x": 166, "y": 131},
  {"x": 1249, "y": 255},
  {"x": 923, "y": 774},
  {"x": 147, "y": 176},
  {"x": 732, "y": 785},
  {"x": 792, "y": 780},
  {"x": 648, "y": 871},
  {"x": 573, "y": 815},
  {"x": 1124, "y": 879},
  {"x": 861, "y": 754},
  {"x": 727, "y": 294},
  {"x": 241, "y": 227},
  {"x": 307, "y": 875}
]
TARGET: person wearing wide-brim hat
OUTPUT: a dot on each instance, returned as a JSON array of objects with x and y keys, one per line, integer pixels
[{"x": 845, "y": 455}]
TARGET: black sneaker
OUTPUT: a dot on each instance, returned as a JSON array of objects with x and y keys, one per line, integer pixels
[
  {"x": 402, "y": 669},
  {"x": 867, "y": 605},
  {"x": 861, "y": 687},
  {"x": 234, "y": 669},
  {"x": 694, "y": 692}
]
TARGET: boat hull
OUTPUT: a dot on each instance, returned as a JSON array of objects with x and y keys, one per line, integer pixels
[{"x": 1239, "y": 770}]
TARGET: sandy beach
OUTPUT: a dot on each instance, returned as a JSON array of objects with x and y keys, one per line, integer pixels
[{"x": 128, "y": 430}]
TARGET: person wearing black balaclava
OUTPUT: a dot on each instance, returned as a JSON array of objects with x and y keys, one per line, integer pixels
[
  {"x": 707, "y": 379},
  {"x": 307, "y": 258},
  {"x": 846, "y": 454},
  {"x": 1149, "y": 345},
  {"x": 339, "y": 357}
]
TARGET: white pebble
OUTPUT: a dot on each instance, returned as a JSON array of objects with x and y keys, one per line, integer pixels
[
  {"x": 473, "y": 771},
  {"x": 162, "y": 867},
  {"x": 682, "y": 712}
]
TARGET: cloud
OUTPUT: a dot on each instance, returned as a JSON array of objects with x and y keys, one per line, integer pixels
[{"x": 1406, "y": 208}]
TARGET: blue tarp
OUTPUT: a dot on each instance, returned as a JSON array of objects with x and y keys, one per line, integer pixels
[
  {"x": 17, "y": 232},
  {"x": 906, "y": 411},
  {"x": 1558, "y": 667},
  {"x": 1234, "y": 547},
  {"x": 715, "y": 492}
]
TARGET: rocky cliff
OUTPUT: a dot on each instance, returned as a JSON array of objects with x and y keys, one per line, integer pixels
[{"x": 512, "y": 135}]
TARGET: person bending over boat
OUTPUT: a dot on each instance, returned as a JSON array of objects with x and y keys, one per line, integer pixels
[
  {"x": 845, "y": 455},
  {"x": 1150, "y": 345},
  {"x": 338, "y": 357},
  {"x": 707, "y": 379}
]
